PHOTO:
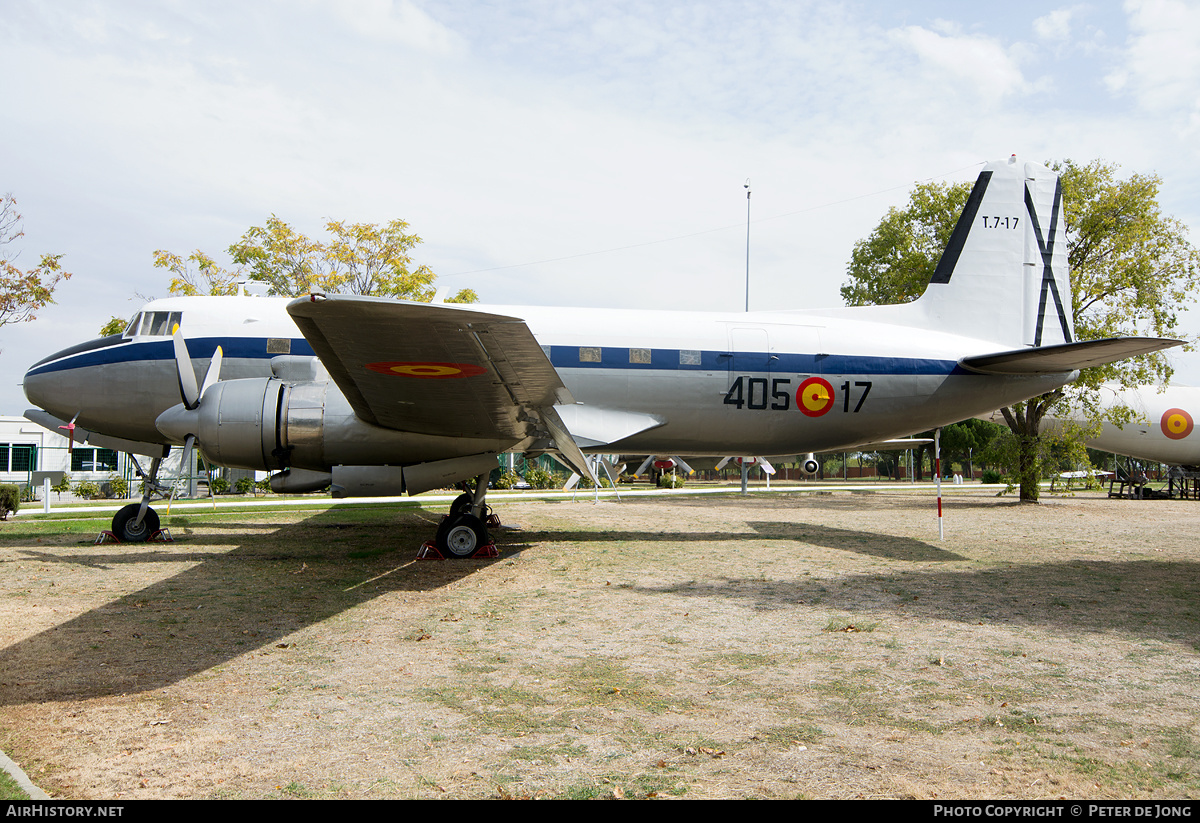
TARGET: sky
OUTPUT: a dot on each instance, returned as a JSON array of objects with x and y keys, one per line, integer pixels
[{"x": 557, "y": 152}]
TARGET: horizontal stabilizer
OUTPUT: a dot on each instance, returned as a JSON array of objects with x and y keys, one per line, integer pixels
[{"x": 1066, "y": 357}]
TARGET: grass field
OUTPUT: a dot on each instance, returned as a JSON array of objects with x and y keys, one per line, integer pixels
[{"x": 791, "y": 645}]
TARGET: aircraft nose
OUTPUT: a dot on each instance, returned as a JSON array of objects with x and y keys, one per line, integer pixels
[{"x": 177, "y": 422}]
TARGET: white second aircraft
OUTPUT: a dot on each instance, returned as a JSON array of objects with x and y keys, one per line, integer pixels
[
  {"x": 1164, "y": 430},
  {"x": 376, "y": 396}
]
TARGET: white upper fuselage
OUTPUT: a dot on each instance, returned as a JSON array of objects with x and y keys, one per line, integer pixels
[{"x": 724, "y": 383}]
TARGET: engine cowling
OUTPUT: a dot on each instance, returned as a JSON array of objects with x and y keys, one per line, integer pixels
[
  {"x": 269, "y": 424},
  {"x": 809, "y": 465}
]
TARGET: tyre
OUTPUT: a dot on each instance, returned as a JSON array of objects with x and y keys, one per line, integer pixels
[
  {"x": 460, "y": 536},
  {"x": 126, "y": 528}
]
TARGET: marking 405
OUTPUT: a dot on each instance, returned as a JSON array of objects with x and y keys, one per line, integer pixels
[{"x": 814, "y": 396}]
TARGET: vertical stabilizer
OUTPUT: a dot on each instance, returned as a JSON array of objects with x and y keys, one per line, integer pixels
[{"x": 1003, "y": 275}]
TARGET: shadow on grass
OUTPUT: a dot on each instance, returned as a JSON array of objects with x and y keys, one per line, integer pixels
[
  {"x": 1146, "y": 598},
  {"x": 230, "y": 602}
]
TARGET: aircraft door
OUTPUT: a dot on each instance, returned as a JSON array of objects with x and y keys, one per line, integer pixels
[{"x": 752, "y": 365}]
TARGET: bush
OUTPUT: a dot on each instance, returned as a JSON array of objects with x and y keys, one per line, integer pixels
[
  {"x": 244, "y": 485},
  {"x": 87, "y": 489},
  {"x": 991, "y": 476},
  {"x": 10, "y": 500},
  {"x": 539, "y": 478},
  {"x": 507, "y": 480},
  {"x": 667, "y": 481},
  {"x": 117, "y": 486},
  {"x": 61, "y": 486},
  {"x": 219, "y": 485}
]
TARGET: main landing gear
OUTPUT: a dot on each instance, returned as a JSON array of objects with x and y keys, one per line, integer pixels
[{"x": 463, "y": 532}]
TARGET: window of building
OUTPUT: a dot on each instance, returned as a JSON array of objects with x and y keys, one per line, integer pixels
[
  {"x": 18, "y": 457},
  {"x": 85, "y": 459}
]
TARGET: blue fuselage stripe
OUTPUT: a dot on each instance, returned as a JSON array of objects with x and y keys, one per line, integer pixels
[
  {"x": 249, "y": 348},
  {"x": 562, "y": 357},
  {"x": 615, "y": 357}
]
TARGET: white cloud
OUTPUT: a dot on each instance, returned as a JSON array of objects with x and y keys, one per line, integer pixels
[
  {"x": 1056, "y": 25},
  {"x": 981, "y": 64},
  {"x": 1161, "y": 62},
  {"x": 397, "y": 21}
]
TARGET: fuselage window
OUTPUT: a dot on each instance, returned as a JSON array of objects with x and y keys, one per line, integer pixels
[
  {"x": 689, "y": 357},
  {"x": 639, "y": 356},
  {"x": 589, "y": 354}
]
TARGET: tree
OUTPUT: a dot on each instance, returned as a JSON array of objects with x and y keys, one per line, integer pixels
[
  {"x": 23, "y": 291},
  {"x": 202, "y": 276},
  {"x": 1130, "y": 267},
  {"x": 359, "y": 258}
]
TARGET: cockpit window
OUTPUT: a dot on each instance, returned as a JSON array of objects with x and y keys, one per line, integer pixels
[
  {"x": 158, "y": 323},
  {"x": 132, "y": 328}
]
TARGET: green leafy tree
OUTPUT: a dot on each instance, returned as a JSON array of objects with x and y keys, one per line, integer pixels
[
  {"x": 115, "y": 325},
  {"x": 23, "y": 291},
  {"x": 358, "y": 258},
  {"x": 199, "y": 274},
  {"x": 1130, "y": 264}
]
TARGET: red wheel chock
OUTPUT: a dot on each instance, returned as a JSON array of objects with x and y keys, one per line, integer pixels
[
  {"x": 428, "y": 551},
  {"x": 160, "y": 536}
]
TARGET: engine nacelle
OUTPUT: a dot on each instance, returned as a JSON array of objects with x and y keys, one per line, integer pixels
[
  {"x": 810, "y": 465},
  {"x": 269, "y": 424}
]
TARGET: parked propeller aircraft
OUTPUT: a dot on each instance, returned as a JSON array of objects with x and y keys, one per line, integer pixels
[
  {"x": 1164, "y": 431},
  {"x": 374, "y": 396}
]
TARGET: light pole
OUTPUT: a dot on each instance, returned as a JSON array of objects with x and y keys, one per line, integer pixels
[{"x": 746, "y": 185}]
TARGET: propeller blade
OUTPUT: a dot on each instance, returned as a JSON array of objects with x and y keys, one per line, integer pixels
[
  {"x": 724, "y": 460},
  {"x": 214, "y": 372},
  {"x": 645, "y": 465},
  {"x": 189, "y": 392},
  {"x": 679, "y": 462},
  {"x": 767, "y": 467}
]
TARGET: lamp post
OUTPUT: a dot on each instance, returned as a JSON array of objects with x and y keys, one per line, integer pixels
[{"x": 746, "y": 185}]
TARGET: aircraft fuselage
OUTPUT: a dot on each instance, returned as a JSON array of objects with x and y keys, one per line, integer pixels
[{"x": 724, "y": 383}]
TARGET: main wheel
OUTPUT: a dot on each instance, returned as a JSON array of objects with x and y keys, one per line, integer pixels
[
  {"x": 128, "y": 530},
  {"x": 460, "y": 535}
]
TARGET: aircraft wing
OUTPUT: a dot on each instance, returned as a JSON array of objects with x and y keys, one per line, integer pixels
[
  {"x": 1066, "y": 357},
  {"x": 84, "y": 436},
  {"x": 438, "y": 370},
  {"x": 896, "y": 444}
]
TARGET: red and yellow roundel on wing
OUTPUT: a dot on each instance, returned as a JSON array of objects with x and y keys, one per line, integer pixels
[
  {"x": 1177, "y": 424},
  {"x": 427, "y": 371},
  {"x": 814, "y": 397}
]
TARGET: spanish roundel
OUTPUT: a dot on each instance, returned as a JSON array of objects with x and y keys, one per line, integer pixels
[
  {"x": 427, "y": 371},
  {"x": 1177, "y": 424},
  {"x": 814, "y": 397}
]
